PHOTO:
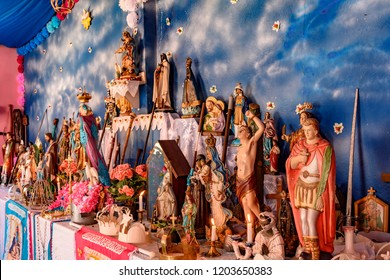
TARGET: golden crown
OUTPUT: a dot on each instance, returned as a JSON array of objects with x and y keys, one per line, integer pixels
[
  {"x": 84, "y": 97},
  {"x": 210, "y": 141}
]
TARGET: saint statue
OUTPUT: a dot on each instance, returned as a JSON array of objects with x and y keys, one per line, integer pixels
[
  {"x": 161, "y": 91},
  {"x": 89, "y": 137},
  {"x": 190, "y": 104},
  {"x": 50, "y": 158},
  {"x": 217, "y": 186},
  {"x": 240, "y": 107},
  {"x": 270, "y": 149},
  {"x": 128, "y": 69},
  {"x": 166, "y": 199},
  {"x": 214, "y": 120},
  {"x": 188, "y": 212},
  {"x": 311, "y": 180},
  {"x": 8, "y": 158}
]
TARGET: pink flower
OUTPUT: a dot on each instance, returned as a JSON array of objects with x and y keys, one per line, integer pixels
[
  {"x": 126, "y": 190},
  {"x": 121, "y": 172},
  {"x": 141, "y": 170}
]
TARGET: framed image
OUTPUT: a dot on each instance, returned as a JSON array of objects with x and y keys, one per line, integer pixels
[{"x": 372, "y": 213}]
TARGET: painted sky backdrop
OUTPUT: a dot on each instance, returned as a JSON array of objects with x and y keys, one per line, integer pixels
[{"x": 322, "y": 52}]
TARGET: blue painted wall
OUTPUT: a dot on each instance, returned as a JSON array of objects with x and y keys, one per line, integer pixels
[{"x": 322, "y": 52}]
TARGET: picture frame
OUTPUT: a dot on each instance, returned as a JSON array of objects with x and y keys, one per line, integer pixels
[{"x": 372, "y": 214}]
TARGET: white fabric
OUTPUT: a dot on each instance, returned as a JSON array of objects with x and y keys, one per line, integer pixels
[
  {"x": 126, "y": 88},
  {"x": 122, "y": 87},
  {"x": 63, "y": 241},
  {"x": 186, "y": 130}
]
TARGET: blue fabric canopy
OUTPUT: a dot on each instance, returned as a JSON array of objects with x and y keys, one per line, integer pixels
[{"x": 22, "y": 20}]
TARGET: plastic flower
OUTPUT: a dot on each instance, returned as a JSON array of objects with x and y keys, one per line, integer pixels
[
  {"x": 213, "y": 89},
  {"x": 84, "y": 196},
  {"x": 270, "y": 105},
  {"x": 299, "y": 109},
  {"x": 180, "y": 30},
  {"x": 338, "y": 128},
  {"x": 141, "y": 170},
  {"x": 127, "y": 183},
  {"x": 68, "y": 166},
  {"x": 276, "y": 26}
]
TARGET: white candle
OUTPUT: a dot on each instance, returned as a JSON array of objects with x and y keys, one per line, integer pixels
[
  {"x": 141, "y": 208},
  {"x": 213, "y": 231},
  {"x": 249, "y": 230}
]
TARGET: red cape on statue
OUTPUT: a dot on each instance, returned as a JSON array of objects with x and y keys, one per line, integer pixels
[{"x": 326, "y": 222}]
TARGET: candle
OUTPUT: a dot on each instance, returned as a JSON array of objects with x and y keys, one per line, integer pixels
[
  {"x": 140, "y": 201},
  {"x": 230, "y": 104},
  {"x": 249, "y": 230},
  {"x": 213, "y": 231}
]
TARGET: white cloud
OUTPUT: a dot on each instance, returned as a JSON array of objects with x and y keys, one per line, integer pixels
[{"x": 276, "y": 69}]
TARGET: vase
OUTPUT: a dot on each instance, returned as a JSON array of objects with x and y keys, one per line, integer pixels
[{"x": 82, "y": 218}]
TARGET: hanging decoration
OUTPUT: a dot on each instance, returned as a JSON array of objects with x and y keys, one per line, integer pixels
[
  {"x": 338, "y": 128},
  {"x": 270, "y": 105},
  {"x": 213, "y": 89},
  {"x": 50, "y": 27},
  {"x": 20, "y": 79},
  {"x": 180, "y": 30},
  {"x": 131, "y": 7},
  {"x": 132, "y": 19},
  {"x": 276, "y": 26},
  {"x": 86, "y": 19}
]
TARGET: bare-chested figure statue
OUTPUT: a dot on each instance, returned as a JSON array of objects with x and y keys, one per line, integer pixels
[{"x": 246, "y": 156}]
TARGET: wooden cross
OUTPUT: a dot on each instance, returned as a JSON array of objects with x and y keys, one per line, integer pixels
[
  {"x": 279, "y": 195},
  {"x": 371, "y": 191}
]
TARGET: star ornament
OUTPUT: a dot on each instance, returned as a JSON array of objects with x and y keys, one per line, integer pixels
[
  {"x": 213, "y": 89},
  {"x": 270, "y": 105},
  {"x": 86, "y": 19},
  {"x": 338, "y": 128},
  {"x": 276, "y": 26},
  {"x": 180, "y": 30}
]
